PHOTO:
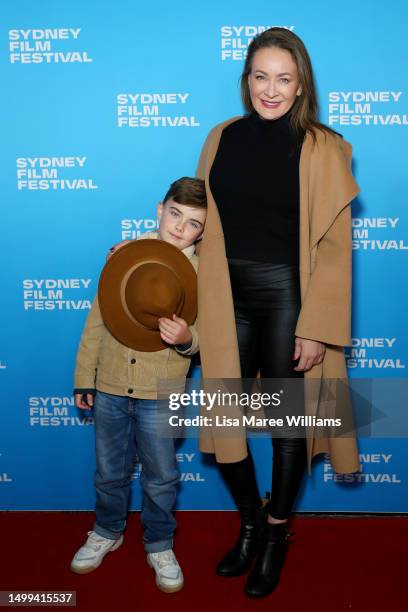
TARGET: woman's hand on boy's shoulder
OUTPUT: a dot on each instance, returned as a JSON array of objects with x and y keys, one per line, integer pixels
[{"x": 174, "y": 331}]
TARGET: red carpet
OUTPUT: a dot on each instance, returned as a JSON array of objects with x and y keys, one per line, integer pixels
[{"x": 334, "y": 564}]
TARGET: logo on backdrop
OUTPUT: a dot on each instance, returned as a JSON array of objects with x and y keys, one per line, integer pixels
[
  {"x": 236, "y": 39},
  {"x": 34, "y": 173},
  {"x": 354, "y": 108},
  {"x": 46, "y": 46},
  {"x": 184, "y": 458},
  {"x": 56, "y": 293},
  {"x": 373, "y": 353},
  {"x": 380, "y": 460},
  {"x": 4, "y": 476},
  {"x": 56, "y": 412},
  {"x": 134, "y": 228},
  {"x": 377, "y": 233},
  {"x": 154, "y": 110},
  {"x": 2, "y": 365}
]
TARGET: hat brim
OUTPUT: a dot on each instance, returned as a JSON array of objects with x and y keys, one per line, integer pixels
[{"x": 110, "y": 291}]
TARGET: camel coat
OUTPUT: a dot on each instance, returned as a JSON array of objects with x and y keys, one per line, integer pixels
[{"x": 326, "y": 189}]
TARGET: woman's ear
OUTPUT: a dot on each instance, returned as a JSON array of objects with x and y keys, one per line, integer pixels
[{"x": 160, "y": 210}]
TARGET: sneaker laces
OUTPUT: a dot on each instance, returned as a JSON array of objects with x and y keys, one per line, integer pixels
[
  {"x": 166, "y": 564},
  {"x": 165, "y": 558},
  {"x": 94, "y": 541}
]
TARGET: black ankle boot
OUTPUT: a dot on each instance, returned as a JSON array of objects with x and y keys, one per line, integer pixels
[
  {"x": 241, "y": 481},
  {"x": 264, "y": 577},
  {"x": 240, "y": 558}
]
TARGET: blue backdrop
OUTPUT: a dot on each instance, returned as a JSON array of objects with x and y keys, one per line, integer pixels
[{"x": 103, "y": 105}]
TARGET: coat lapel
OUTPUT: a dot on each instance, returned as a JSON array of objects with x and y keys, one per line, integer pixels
[{"x": 216, "y": 318}]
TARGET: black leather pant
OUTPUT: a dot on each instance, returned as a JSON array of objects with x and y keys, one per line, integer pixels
[{"x": 267, "y": 303}]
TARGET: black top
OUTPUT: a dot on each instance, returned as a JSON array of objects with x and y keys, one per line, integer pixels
[{"x": 255, "y": 182}]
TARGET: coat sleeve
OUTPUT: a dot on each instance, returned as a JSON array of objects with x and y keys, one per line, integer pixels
[
  {"x": 326, "y": 309},
  {"x": 325, "y": 315},
  {"x": 87, "y": 356}
]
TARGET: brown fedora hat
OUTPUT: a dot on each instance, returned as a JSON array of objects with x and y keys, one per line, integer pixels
[{"x": 142, "y": 281}]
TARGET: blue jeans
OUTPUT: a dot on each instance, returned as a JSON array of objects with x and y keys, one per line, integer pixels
[{"x": 126, "y": 427}]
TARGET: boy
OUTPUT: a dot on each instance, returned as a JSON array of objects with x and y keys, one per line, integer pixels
[{"x": 121, "y": 384}]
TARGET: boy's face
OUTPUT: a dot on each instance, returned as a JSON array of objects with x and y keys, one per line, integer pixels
[{"x": 179, "y": 224}]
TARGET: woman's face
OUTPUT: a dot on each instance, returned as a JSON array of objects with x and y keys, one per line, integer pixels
[{"x": 273, "y": 82}]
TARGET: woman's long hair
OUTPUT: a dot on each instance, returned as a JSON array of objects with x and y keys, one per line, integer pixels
[{"x": 304, "y": 111}]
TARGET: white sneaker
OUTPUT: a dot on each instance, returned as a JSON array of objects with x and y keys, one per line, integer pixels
[
  {"x": 91, "y": 554},
  {"x": 169, "y": 577}
]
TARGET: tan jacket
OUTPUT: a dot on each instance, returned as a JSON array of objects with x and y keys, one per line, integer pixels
[
  {"x": 326, "y": 189},
  {"x": 109, "y": 366}
]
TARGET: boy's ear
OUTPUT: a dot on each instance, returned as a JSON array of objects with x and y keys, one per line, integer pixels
[{"x": 160, "y": 210}]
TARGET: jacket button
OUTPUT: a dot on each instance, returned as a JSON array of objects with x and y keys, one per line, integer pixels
[
  {"x": 130, "y": 390},
  {"x": 133, "y": 360}
]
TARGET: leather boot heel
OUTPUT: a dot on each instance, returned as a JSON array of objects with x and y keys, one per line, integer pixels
[{"x": 264, "y": 577}]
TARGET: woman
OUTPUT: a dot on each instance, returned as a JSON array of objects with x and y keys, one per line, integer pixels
[{"x": 274, "y": 279}]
